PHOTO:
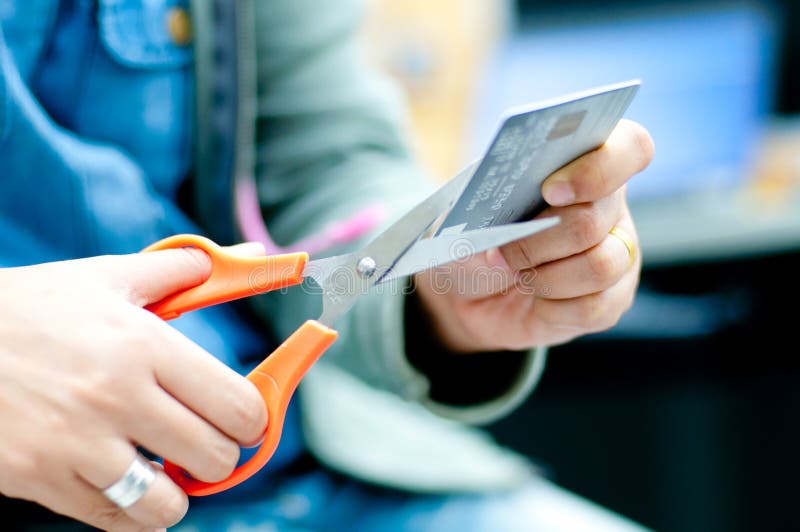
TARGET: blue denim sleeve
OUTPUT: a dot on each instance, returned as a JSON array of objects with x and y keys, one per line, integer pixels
[
  {"x": 3, "y": 92},
  {"x": 63, "y": 197},
  {"x": 66, "y": 197}
]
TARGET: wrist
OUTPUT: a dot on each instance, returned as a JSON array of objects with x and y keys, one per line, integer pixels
[
  {"x": 441, "y": 317},
  {"x": 456, "y": 377}
]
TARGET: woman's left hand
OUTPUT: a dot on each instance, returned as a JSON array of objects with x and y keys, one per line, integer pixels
[{"x": 573, "y": 279}]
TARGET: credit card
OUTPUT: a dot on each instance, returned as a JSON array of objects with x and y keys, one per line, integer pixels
[{"x": 532, "y": 142}]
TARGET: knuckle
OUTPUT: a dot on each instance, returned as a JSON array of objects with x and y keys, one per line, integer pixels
[
  {"x": 198, "y": 264},
  {"x": 590, "y": 312},
  {"x": 602, "y": 265},
  {"x": 135, "y": 293},
  {"x": 115, "y": 386},
  {"x": 585, "y": 313},
  {"x": 600, "y": 315},
  {"x": 21, "y": 472},
  {"x": 223, "y": 457},
  {"x": 248, "y": 413},
  {"x": 587, "y": 229},
  {"x": 106, "y": 516},
  {"x": 517, "y": 255},
  {"x": 170, "y": 509},
  {"x": 101, "y": 391}
]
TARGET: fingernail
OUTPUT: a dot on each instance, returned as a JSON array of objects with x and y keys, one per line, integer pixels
[
  {"x": 495, "y": 259},
  {"x": 558, "y": 192}
]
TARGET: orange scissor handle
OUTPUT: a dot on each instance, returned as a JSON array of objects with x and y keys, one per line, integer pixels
[
  {"x": 276, "y": 378},
  {"x": 232, "y": 277}
]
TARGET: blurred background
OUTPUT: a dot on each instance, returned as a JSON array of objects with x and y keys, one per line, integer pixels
[{"x": 686, "y": 415}]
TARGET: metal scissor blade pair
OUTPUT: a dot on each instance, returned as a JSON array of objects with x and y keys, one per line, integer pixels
[
  {"x": 438, "y": 251},
  {"x": 399, "y": 252},
  {"x": 345, "y": 277}
]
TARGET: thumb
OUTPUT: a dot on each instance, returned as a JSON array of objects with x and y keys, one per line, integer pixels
[{"x": 145, "y": 278}]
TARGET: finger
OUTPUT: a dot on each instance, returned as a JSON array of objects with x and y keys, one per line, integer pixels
[
  {"x": 483, "y": 275},
  {"x": 489, "y": 274},
  {"x": 628, "y": 150},
  {"x": 582, "y": 227},
  {"x": 210, "y": 388},
  {"x": 593, "y": 312},
  {"x": 145, "y": 278},
  {"x": 163, "y": 504},
  {"x": 594, "y": 270},
  {"x": 179, "y": 435},
  {"x": 71, "y": 496}
]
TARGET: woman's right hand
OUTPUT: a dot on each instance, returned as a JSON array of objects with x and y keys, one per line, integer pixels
[{"x": 86, "y": 375}]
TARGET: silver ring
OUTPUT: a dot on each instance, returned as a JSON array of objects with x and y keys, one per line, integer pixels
[{"x": 133, "y": 484}]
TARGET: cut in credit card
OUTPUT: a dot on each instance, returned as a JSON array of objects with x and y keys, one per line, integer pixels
[{"x": 532, "y": 142}]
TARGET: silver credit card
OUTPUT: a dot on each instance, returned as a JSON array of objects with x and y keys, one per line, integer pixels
[{"x": 533, "y": 142}]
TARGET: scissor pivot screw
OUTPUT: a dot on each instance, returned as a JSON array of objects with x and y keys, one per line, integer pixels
[{"x": 366, "y": 267}]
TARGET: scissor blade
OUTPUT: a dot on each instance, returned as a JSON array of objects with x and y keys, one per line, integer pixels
[
  {"x": 342, "y": 280},
  {"x": 440, "y": 250}
]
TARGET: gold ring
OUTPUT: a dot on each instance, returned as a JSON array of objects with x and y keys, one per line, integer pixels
[{"x": 626, "y": 239}]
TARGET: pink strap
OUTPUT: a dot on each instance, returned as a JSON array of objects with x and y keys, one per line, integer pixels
[{"x": 251, "y": 224}]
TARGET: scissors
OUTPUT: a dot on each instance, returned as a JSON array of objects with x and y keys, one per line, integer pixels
[{"x": 403, "y": 249}]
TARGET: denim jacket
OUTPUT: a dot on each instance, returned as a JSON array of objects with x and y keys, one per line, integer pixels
[
  {"x": 97, "y": 137},
  {"x": 96, "y": 141}
]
